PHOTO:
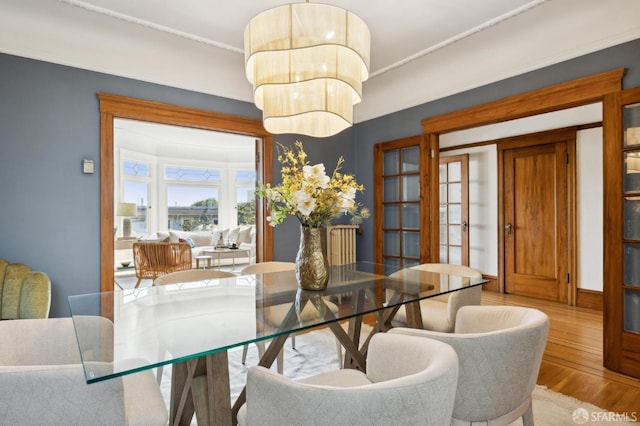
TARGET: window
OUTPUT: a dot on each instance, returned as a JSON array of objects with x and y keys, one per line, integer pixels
[
  {"x": 193, "y": 197},
  {"x": 135, "y": 189},
  {"x": 246, "y": 196}
]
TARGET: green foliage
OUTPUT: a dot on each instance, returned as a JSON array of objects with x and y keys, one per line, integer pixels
[
  {"x": 247, "y": 213},
  {"x": 209, "y": 202}
]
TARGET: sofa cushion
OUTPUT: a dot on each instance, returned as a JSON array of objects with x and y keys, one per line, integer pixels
[
  {"x": 198, "y": 238},
  {"x": 233, "y": 234},
  {"x": 244, "y": 235}
]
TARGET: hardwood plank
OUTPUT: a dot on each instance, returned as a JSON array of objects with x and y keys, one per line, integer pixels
[{"x": 573, "y": 359}]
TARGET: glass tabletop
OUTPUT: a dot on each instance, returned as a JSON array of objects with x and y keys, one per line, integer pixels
[{"x": 127, "y": 331}]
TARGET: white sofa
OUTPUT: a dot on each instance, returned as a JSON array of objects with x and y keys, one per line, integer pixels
[{"x": 243, "y": 236}]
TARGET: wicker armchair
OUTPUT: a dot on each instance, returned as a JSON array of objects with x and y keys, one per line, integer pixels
[{"x": 156, "y": 259}]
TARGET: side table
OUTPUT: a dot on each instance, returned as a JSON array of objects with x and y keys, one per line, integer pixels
[{"x": 204, "y": 258}]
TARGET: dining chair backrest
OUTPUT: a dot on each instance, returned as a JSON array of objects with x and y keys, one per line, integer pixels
[
  {"x": 500, "y": 349},
  {"x": 457, "y": 299},
  {"x": 192, "y": 275},
  {"x": 266, "y": 267},
  {"x": 42, "y": 379},
  {"x": 409, "y": 381},
  {"x": 454, "y": 301}
]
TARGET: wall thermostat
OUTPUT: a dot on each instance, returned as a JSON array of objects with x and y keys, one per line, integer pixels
[{"x": 87, "y": 166}]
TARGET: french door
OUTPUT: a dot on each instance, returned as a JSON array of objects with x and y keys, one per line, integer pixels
[
  {"x": 622, "y": 232},
  {"x": 454, "y": 209},
  {"x": 402, "y": 213}
]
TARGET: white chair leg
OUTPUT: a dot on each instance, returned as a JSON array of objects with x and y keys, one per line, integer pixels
[
  {"x": 159, "y": 374},
  {"x": 245, "y": 349},
  {"x": 280, "y": 361},
  {"x": 527, "y": 417},
  {"x": 339, "y": 348},
  {"x": 161, "y": 353},
  {"x": 293, "y": 341}
]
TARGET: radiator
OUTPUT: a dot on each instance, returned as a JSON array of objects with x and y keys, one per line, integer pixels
[{"x": 341, "y": 244}]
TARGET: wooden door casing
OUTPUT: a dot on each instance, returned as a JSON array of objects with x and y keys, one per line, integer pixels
[{"x": 621, "y": 347}]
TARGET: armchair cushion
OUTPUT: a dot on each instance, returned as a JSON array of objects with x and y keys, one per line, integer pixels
[{"x": 23, "y": 293}]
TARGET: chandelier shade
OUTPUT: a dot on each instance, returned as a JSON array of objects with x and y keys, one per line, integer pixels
[{"x": 307, "y": 62}]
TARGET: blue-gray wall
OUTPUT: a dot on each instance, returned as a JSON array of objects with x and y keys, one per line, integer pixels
[
  {"x": 408, "y": 122},
  {"x": 49, "y": 122},
  {"x": 49, "y": 209}
]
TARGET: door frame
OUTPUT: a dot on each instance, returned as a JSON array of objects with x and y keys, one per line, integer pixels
[
  {"x": 573, "y": 93},
  {"x": 567, "y": 135},
  {"x": 116, "y": 106}
]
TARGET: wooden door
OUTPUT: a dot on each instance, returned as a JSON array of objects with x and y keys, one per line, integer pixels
[{"x": 536, "y": 221}]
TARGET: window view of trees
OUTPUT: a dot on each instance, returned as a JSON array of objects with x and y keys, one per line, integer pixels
[
  {"x": 201, "y": 215},
  {"x": 247, "y": 213}
]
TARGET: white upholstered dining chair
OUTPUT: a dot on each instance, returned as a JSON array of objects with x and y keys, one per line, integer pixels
[
  {"x": 42, "y": 380},
  {"x": 192, "y": 275},
  {"x": 276, "y": 314},
  {"x": 500, "y": 349},
  {"x": 409, "y": 381},
  {"x": 189, "y": 275},
  {"x": 439, "y": 313}
]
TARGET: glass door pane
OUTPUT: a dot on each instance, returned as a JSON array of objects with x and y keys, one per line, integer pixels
[
  {"x": 401, "y": 206},
  {"x": 138, "y": 193},
  {"x": 631, "y": 211},
  {"x": 454, "y": 206}
]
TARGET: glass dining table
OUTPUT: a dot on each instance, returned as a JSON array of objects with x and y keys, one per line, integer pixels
[{"x": 192, "y": 325}]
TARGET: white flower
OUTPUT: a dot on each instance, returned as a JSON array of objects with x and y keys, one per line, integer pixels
[
  {"x": 346, "y": 201},
  {"x": 350, "y": 194},
  {"x": 305, "y": 203},
  {"x": 273, "y": 194},
  {"x": 316, "y": 176}
]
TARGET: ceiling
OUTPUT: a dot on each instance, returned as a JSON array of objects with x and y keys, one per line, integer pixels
[{"x": 421, "y": 50}]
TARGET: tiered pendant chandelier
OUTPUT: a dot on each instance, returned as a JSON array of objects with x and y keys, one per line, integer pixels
[{"x": 307, "y": 62}]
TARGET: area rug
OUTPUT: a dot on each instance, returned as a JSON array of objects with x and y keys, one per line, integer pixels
[{"x": 316, "y": 352}]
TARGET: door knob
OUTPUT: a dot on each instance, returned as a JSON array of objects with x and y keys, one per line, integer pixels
[
  {"x": 464, "y": 226},
  {"x": 508, "y": 228}
]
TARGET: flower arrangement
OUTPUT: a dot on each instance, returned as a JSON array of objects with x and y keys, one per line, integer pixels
[{"x": 308, "y": 193}]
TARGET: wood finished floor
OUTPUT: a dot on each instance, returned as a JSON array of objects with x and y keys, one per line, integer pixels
[{"x": 572, "y": 361}]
